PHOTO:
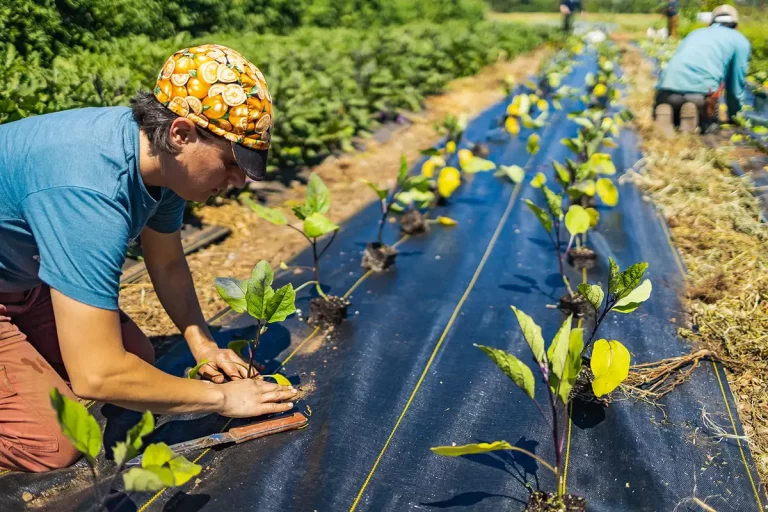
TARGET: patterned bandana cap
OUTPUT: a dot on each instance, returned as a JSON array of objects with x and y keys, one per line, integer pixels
[{"x": 220, "y": 91}]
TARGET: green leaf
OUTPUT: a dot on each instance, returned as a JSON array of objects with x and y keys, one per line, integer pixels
[
  {"x": 554, "y": 203},
  {"x": 477, "y": 164},
  {"x": 77, "y": 424},
  {"x": 533, "y": 144},
  {"x": 379, "y": 191},
  {"x": 539, "y": 180},
  {"x": 317, "y": 225},
  {"x": 541, "y": 214},
  {"x": 318, "y": 197},
  {"x": 562, "y": 172},
  {"x": 571, "y": 144},
  {"x": 602, "y": 163},
  {"x": 470, "y": 449},
  {"x": 157, "y": 454},
  {"x": 632, "y": 300},
  {"x": 237, "y": 346},
  {"x": 593, "y": 293},
  {"x": 558, "y": 350},
  {"x": 630, "y": 279},
  {"x": 585, "y": 122},
  {"x": 281, "y": 304},
  {"x": 147, "y": 480},
  {"x": 513, "y": 172},
  {"x": 130, "y": 448},
  {"x": 233, "y": 292},
  {"x": 572, "y": 366},
  {"x": 259, "y": 289},
  {"x": 607, "y": 191},
  {"x": 610, "y": 364},
  {"x": 577, "y": 220},
  {"x": 272, "y": 215},
  {"x": 302, "y": 211},
  {"x": 402, "y": 174},
  {"x": 192, "y": 373},
  {"x": 614, "y": 274},
  {"x": 512, "y": 368},
  {"x": 532, "y": 334}
]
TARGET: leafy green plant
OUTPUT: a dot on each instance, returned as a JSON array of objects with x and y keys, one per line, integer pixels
[
  {"x": 160, "y": 466},
  {"x": 256, "y": 296},
  {"x": 560, "y": 365},
  {"x": 311, "y": 213}
]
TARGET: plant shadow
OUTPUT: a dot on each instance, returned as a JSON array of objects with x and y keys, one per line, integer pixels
[
  {"x": 587, "y": 414},
  {"x": 530, "y": 285},
  {"x": 183, "y": 502},
  {"x": 468, "y": 499}
]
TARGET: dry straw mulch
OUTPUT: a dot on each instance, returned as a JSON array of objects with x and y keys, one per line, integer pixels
[{"x": 715, "y": 223}]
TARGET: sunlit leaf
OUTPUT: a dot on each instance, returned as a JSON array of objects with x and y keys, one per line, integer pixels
[
  {"x": 77, "y": 425},
  {"x": 632, "y": 301},
  {"x": 541, "y": 214},
  {"x": 233, "y": 292},
  {"x": 123, "y": 452},
  {"x": 448, "y": 181},
  {"x": 610, "y": 365},
  {"x": 512, "y": 368},
  {"x": 317, "y": 225},
  {"x": 558, "y": 349},
  {"x": 577, "y": 220},
  {"x": 470, "y": 449},
  {"x": 512, "y": 125},
  {"x": 531, "y": 333},
  {"x": 532, "y": 146},
  {"x": 465, "y": 156},
  {"x": 602, "y": 163},
  {"x": 281, "y": 304},
  {"x": 554, "y": 202},
  {"x": 539, "y": 180},
  {"x": 259, "y": 290},
  {"x": 562, "y": 172},
  {"x": 272, "y": 215},
  {"x": 594, "y": 217},
  {"x": 450, "y": 147},
  {"x": 477, "y": 164},
  {"x": 513, "y": 172},
  {"x": 279, "y": 379},
  {"x": 593, "y": 293},
  {"x": 607, "y": 192},
  {"x": 380, "y": 192},
  {"x": 402, "y": 173},
  {"x": 563, "y": 385},
  {"x": 192, "y": 373},
  {"x": 445, "y": 221},
  {"x": 318, "y": 197}
]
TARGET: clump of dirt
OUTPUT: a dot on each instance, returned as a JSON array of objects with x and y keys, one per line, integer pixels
[
  {"x": 481, "y": 150},
  {"x": 582, "y": 388},
  {"x": 304, "y": 390},
  {"x": 328, "y": 312},
  {"x": 413, "y": 222},
  {"x": 547, "y": 502},
  {"x": 575, "y": 304},
  {"x": 582, "y": 257},
  {"x": 378, "y": 257},
  {"x": 710, "y": 289}
]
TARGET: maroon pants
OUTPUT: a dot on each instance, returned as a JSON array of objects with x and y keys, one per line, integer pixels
[{"x": 30, "y": 365}]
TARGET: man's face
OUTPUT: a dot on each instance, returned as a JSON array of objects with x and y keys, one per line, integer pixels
[{"x": 203, "y": 168}]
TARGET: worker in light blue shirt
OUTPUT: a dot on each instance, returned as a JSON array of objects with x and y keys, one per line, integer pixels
[{"x": 706, "y": 62}]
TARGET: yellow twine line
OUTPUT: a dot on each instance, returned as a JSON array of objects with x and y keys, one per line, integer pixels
[{"x": 455, "y": 314}]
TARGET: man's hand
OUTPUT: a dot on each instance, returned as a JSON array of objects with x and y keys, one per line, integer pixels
[
  {"x": 564, "y": 9},
  {"x": 245, "y": 398},
  {"x": 223, "y": 363}
]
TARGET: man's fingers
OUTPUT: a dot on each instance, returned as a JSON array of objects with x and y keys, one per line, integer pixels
[
  {"x": 271, "y": 408},
  {"x": 232, "y": 370},
  {"x": 265, "y": 387},
  {"x": 278, "y": 396}
]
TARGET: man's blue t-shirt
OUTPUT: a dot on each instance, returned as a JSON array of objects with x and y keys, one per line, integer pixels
[{"x": 71, "y": 199}]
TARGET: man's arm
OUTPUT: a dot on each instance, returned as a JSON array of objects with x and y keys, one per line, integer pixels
[
  {"x": 168, "y": 269},
  {"x": 99, "y": 368},
  {"x": 735, "y": 79}
]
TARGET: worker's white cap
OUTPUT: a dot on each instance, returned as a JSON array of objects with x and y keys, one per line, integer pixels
[{"x": 725, "y": 14}]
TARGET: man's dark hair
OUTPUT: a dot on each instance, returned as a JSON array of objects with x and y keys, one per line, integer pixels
[{"x": 155, "y": 121}]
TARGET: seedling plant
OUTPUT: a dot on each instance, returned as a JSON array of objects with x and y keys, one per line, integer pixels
[
  {"x": 560, "y": 368},
  {"x": 160, "y": 466}
]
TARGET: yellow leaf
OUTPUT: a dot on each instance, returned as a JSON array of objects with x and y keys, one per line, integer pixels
[
  {"x": 512, "y": 125},
  {"x": 602, "y": 163},
  {"x": 594, "y": 217},
  {"x": 607, "y": 191},
  {"x": 542, "y": 105},
  {"x": 600, "y": 90},
  {"x": 279, "y": 379},
  {"x": 610, "y": 364},
  {"x": 539, "y": 180},
  {"x": 465, "y": 156},
  {"x": 448, "y": 181},
  {"x": 446, "y": 221},
  {"x": 283, "y": 266},
  {"x": 577, "y": 220},
  {"x": 428, "y": 168},
  {"x": 450, "y": 148}
]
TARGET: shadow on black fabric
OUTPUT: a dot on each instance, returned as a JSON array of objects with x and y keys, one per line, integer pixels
[
  {"x": 183, "y": 502},
  {"x": 469, "y": 499},
  {"x": 587, "y": 414}
]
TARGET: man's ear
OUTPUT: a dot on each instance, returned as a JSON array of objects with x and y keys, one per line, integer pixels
[{"x": 183, "y": 132}]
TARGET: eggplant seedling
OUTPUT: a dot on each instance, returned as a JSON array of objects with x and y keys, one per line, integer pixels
[
  {"x": 326, "y": 309},
  {"x": 565, "y": 378},
  {"x": 256, "y": 296},
  {"x": 379, "y": 256},
  {"x": 160, "y": 466}
]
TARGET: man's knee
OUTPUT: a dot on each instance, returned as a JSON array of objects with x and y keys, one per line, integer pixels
[{"x": 45, "y": 450}]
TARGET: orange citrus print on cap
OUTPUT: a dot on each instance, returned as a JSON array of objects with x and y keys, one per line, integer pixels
[{"x": 219, "y": 90}]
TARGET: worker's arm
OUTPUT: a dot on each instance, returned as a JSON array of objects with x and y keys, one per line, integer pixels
[
  {"x": 168, "y": 269},
  {"x": 100, "y": 369},
  {"x": 735, "y": 79}
]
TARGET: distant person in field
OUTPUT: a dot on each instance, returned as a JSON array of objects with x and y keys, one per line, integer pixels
[
  {"x": 568, "y": 8},
  {"x": 706, "y": 63},
  {"x": 75, "y": 188},
  {"x": 671, "y": 11}
]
